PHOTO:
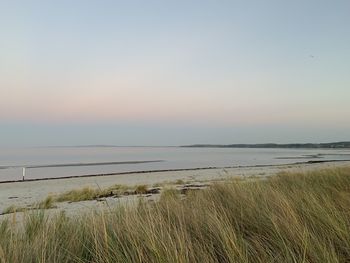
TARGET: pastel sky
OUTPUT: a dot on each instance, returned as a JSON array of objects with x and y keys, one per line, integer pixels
[{"x": 173, "y": 72}]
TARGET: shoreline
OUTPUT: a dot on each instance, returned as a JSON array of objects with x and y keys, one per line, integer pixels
[{"x": 162, "y": 170}]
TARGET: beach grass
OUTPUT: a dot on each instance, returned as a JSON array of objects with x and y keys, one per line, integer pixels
[
  {"x": 13, "y": 209},
  {"x": 290, "y": 217},
  {"x": 77, "y": 195},
  {"x": 93, "y": 193},
  {"x": 47, "y": 203}
]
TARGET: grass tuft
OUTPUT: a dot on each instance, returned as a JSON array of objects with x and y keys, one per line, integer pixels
[
  {"x": 76, "y": 195},
  {"x": 141, "y": 189},
  {"x": 47, "y": 203}
]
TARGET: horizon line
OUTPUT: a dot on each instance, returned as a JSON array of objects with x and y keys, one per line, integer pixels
[{"x": 183, "y": 145}]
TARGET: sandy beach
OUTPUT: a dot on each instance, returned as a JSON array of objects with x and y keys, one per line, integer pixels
[{"x": 25, "y": 194}]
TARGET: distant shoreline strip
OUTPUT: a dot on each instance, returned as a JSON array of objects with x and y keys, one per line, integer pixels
[
  {"x": 169, "y": 170},
  {"x": 76, "y": 164}
]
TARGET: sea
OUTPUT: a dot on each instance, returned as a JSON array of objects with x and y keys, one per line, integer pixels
[{"x": 56, "y": 162}]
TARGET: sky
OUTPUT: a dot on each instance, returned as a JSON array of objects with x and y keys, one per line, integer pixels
[{"x": 173, "y": 72}]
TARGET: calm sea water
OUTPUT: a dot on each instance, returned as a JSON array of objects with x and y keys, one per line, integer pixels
[{"x": 87, "y": 160}]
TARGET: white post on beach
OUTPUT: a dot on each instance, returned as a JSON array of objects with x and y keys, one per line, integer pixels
[{"x": 23, "y": 173}]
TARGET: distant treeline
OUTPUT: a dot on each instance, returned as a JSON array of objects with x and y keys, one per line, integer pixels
[{"x": 331, "y": 145}]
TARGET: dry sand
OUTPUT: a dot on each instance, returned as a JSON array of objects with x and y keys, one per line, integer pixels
[{"x": 22, "y": 194}]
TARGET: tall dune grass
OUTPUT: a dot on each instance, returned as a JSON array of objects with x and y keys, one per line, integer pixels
[{"x": 286, "y": 218}]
